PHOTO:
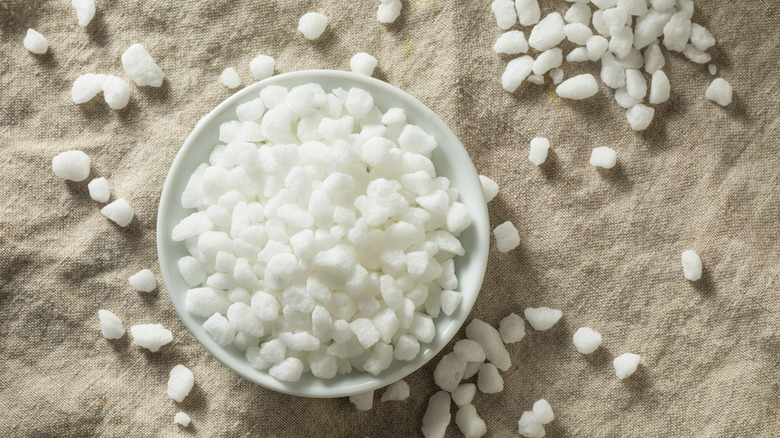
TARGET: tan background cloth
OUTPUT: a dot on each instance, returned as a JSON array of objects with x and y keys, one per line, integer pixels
[{"x": 603, "y": 246}]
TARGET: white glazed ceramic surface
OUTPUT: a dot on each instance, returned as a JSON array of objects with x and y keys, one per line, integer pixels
[{"x": 451, "y": 160}]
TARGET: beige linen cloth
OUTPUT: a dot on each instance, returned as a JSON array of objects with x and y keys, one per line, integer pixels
[{"x": 603, "y": 246}]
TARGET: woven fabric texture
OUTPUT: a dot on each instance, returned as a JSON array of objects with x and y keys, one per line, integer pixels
[{"x": 602, "y": 246}]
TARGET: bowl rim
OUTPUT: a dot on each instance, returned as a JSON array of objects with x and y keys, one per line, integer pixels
[{"x": 479, "y": 220}]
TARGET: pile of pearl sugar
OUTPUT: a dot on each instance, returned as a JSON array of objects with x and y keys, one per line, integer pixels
[{"x": 323, "y": 240}]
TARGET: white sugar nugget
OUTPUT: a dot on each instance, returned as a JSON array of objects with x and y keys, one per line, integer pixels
[
  {"x": 312, "y": 25},
  {"x": 141, "y": 68},
  {"x": 701, "y": 38},
  {"x": 491, "y": 342},
  {"x": 511, "y": 328},
  {"x": 469, "y": 422},
  {"x": 192, "y": 271},
  {"x": 99, "y": 190},
  {"x": 464, "y": 393},
  {"x": 489, "y": 188},
  {"x": 449, "y": 372},
  {"x": 262, "y": 66},
  {"x": 542, "y": 318},
  {"x": 603, "y": 156},
  {"x": 613, "y": 74},
  {"x": 685, "y": 6},
  {"x": 230, "y": 78},
  {"x": 528, "y": 12},
  {"x": 192, "y": 225},
  {"x": 388, "y": 11},
  {"x": 636, "y": 86},
  {"x": 538, "y": 152},
  {"x": 507, "y": 237},
  {"x": 288, "y": 370},
  {"x": 614, "y": 18},
  {"x": 415, "y": 139},
  {"x": 363, "y": 401},
  {"x": 366, "y": 332},
  {"x": 600, "y": 24},
  {"x": 220, "y": 329},
  {"x": 677, "y": 31},
  {"x": 578, "y": 13},
  {"x": 488, "y": 379},
  {"x": 596, "y": 46},
  {"x": 529, "y": 426},
  {"x": 110, "y": 325},
  {"x": 651, "y": 26},
  {"x": 359, "y": 102},
  {"x": 36, "y": 43},
  {"x": 406, "y": 348},
  {"x": 691, "y": 265},
  {"x": 586, "y": 340},
  {"x": 205, "y": 301},
  {"x": 578, "y": 33},
  {"x": 182, "y": 419},
  {"x": 511, "y": 43},
  {"x": 578, "y": 87},
  {"x": 713, "y": 69},
  {"x": 515, "y": 72},
  {"x": 548, "y": 33},
  {"x": 437, "y": 415},
  {"x": 276, "y": 124},
  {"x": 695, "y": 55},
  {"x": 118, "y": 211},
  {"x": 472, "y": 368},
  {"x": 272, "y": 351},
  {"x": 719, "y": 91},
  {"x": 396, "y": 391},
  {"x": 547, "y": 60},
  {"x": 469, "y": 350},
  {"x": 659, "y": 88},
  {"x": 556, "y": 75},
  {"x": 634, "y": 7},
  {"x": 250, "y": 111},
  {"x": 322, "y": 365},
  {"x": 362, "y": 63},
  {"x": 243, "y": 319},
  {"x": 621, "y": 42},
  {"x": 87, "y": 86},
  {"x": 640, "y": 116},
  {"x": 380, "y": 359},
  {"x": 624, "y": 100},
  {"x": 634, "y": 59},
  {"x": 654, "y": 59},
  {"x": 578, "y": 54},
  {"x": 504, "y": 10},
  {"x": 604, "y": 4},
  {"x": 458, "y": 218},
  {"x": 450, "y": 300},
  {"x": 625, "y": 365},
  {"x": 71, "y": 165},
  {"x": 150, "y": 336},
  {"x": 543, "y": 411},
  {"x": 116, "y": 92},
  {"x": 143, "y": 281},
  {"x": 255, "y": 359},
  {"x": 536, "y": 79},
  {"x": 180, "y": 382},
  {"x": 85, "y": 11},
  {"x": 394, "y": 116}
]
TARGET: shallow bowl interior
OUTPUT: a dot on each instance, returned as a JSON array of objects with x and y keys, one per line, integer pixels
[{"x": 451, "y": 160}]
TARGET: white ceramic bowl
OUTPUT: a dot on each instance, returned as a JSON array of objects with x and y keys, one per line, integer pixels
[{"x": 451, "y": 160}]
